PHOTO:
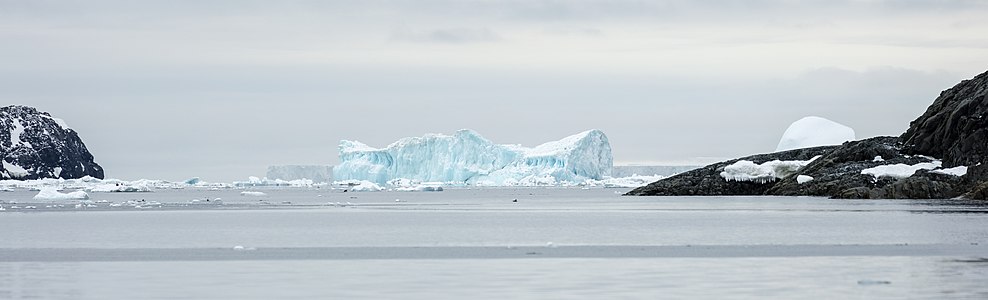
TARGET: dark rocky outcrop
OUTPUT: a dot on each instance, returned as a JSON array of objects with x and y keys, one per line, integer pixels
[
  {"x": 955, "y": 126},
  {"x": 707, "y": 181},
  {"x": 954, "y": 129},
  {"x": 36, "y": 145}
]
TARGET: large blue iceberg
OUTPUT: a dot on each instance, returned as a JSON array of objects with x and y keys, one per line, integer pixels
[{"x": 468, "y": 158}]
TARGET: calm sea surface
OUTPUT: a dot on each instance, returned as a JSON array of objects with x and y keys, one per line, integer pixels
[{"x": 477, "y": 243}]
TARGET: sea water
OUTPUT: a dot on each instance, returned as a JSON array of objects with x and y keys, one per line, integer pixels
[{"x": 522, "y": 243}]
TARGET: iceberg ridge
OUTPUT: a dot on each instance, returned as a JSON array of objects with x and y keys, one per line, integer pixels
[{"x": 467, "y": 157}]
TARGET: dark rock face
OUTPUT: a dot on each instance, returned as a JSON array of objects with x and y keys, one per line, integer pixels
[
  {"x": 955, "y": 127},
  {"x": 35, "y": 145},
  {"x": 707, "y": 181},
  {"x": 838, "y": 174}
]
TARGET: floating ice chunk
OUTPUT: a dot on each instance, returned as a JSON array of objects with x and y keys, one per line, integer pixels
[
  {"x": 878, "y": 159},
  {"x": 744, "y": 170},
  {"x": 812, "y": 132},
  {"x": 118, "y": 188},
  {"x": 50, "y": 193},
  {"x": 632, "y": 181},
  {"x": 956, "y": 171},
  {"x": 363, "y": 186},
  {"x": 801, "y": 179},
  {"x": 899, "y": 171},
  {"x": 253, "y": 194}
]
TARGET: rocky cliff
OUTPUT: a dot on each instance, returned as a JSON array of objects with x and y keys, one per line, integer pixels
[
  {"x": 36, "y": 145},
  {"x": 953, "y": 130}
]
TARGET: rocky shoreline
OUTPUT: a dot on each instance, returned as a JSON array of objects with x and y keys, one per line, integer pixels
[{"x": 952, "y": 132}]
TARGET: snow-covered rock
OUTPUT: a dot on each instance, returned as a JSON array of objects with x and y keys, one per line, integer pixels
[
  {"x": 466, "y": 157},
  {"x": 54, "y": 194},
  {"x": 35, "y": 145},
  {"x": 744, "y": 170},
  {"x": 814, "y": 131},
  {"x": 900, "y": 171}
]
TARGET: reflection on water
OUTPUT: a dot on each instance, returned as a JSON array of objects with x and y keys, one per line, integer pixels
[{"x": 708, "y": 278}]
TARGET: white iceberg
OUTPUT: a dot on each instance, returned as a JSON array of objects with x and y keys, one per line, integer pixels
[
  {"x": 253, "y": 194},
  {"x": 54, "y": 194},
  {"x": 467, "y": 158},
  {"x": 812, "y": 132}
]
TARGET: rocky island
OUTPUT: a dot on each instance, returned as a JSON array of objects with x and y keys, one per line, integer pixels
[
  {"x": 35, "y": 145},
  {"x": 940, "y": 156}
]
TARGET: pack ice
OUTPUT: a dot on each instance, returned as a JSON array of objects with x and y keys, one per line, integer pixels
[
  {"x": 468, "y": 158},
  {"x": 814, "y": 131}
]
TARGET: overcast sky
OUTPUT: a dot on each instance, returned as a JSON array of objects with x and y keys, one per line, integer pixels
[{"x": 222, "y": 89}]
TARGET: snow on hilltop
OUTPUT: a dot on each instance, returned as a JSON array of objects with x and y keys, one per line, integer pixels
[
  {"x": 812, "y": 132},
  {"x": 467, "y": 157},
  {"x": 35, "y": 145}
]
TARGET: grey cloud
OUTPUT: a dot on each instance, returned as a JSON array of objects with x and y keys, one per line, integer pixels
[{"x": 450, "y": 35}]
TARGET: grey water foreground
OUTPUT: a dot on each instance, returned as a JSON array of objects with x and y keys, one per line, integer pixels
[{"x": 974, "y": 252}]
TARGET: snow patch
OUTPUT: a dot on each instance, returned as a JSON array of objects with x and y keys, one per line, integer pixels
[
  {"x": 899, "y": 171},
  {"x": 14, "y": 171},
  {"x": 744, "y": 170},
  {"x": 814, "y": 131},
  {"x": 956, "y": 171},
  {"x": 15, "y": 133},
  {"x": 801, "y": 179}
]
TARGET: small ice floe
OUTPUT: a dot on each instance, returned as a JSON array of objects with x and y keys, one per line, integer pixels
[
  {"x": 1, "y": 208},
  {"x": 30, "y": 207},
  {"x": 878, "y": 159},
  {"x": 550, "y": 245},
  {"x": 206, "y": 201},
  {"x": 51, "y": 193},
  {"x": 873, "y": 282},
  {"x": 242, "y": 248},
  {"x": 397, "y": 200},
  {"x": 253, "y": 194}
]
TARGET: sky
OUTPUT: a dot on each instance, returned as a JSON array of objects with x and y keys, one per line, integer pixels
[{"x": 222, "y": 89}]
